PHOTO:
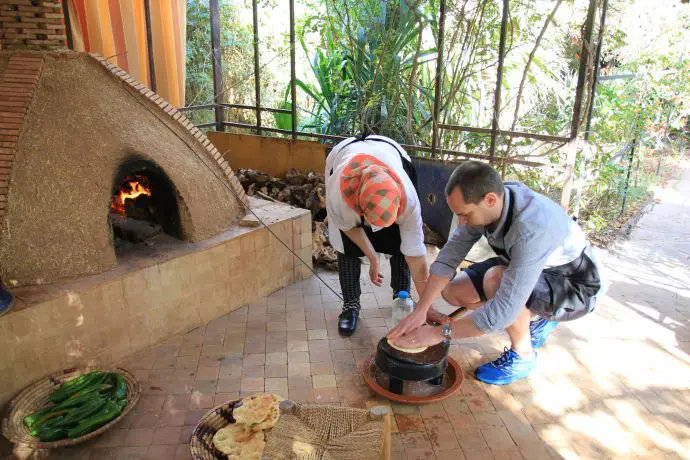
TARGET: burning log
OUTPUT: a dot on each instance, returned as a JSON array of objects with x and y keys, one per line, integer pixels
[
  {"x": 133, "y": 230},
  {"x": 138, "y": 208}
]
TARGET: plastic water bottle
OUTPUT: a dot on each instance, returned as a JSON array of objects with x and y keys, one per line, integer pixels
[{"x": 403, "y": 305}]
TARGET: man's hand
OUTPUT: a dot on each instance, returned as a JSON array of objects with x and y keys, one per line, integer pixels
[
  {"x": 425, "y": 336},
  {"x": 410, "y": 323},
  {"x": 434, "y": 316},
  {"x": 374, "y": 275}
]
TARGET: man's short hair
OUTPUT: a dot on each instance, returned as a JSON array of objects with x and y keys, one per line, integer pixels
[{"x": 475, "y": 179}]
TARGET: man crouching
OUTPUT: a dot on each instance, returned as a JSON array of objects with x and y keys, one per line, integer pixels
[{"x": 544, "y": 268}]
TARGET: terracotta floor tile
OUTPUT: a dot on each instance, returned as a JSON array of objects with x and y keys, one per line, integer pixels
[
  {"x": 299, "y": 369},
  {"x": 277, "y": 385},
  {"x": 497, "y": 438},
  {"x": 98, "y": 453},
  {"x": 187, "y": 362},
  {"x": 253, "y": 371},
  {"x": 139, "y": 437},
  {"x": 317, "y": 334},
  {"x": 132, "y": 453},
  {"x": 456, "y": 454},
  {"x": 229, "y": 385},
  {"x": 210, "y": 361},
  {"x": 344, "y": 368},
  {"x": 172, "y": 417},
  {"x": 301, "y": 395},
  {"x": 190, "y": 350},
  {"x": 470, "y": 439},
  {"x": 204, "y": 386},
  {"x": 255, "y": 347},
  {"x": 176, "y": 402},
  {"x": 113, "y": 438},
  {"x": 320, "y": 355},
  {"x": 322, "y": 368},
  {"x": 150, "y": 403},
  {"x": 165, "y": 362},
  {"x": 419, "y": 454},
  {"x": 299, "y": 382},
  {"x": 276, "y": 370},
  {"x": 409, "y": 422},
  {"x": 207, "y": 373},
  {"x": 167, "y": 435},
  {"x": 186, "y": 433},
  {"x": 405, "y": 408},
  {"x": 161, "y": 452},
  {"x": 230, "y": 371},
  {"x": 298, "y": 357},
  {"x": 536, "y": 451},
  {"x": 201, "y": 400},
  {"x": 252, "y": 384},
  {"x": 478, "y": 454},
  {"x": 488, "y": 420},
  {"x": 442, "y": 438},
  {"x": 224, "y": 398},
  {"x": 145, "y": 419},
  {"x": 183, "y": 452},
  {"x": 480, "y": 403},
  {"x": 326, "y": 395},
  {"x": 254, "y": 359},
  {"x": 323, "y": 381},
  {"x": 161, "y": 374},
  {"x": 415, "y": 440}
]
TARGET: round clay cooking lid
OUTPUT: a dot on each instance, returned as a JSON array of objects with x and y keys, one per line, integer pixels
[{"x": 431, "y": 355}]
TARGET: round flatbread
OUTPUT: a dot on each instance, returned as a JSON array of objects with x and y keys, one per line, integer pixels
[
  {"x": 406, "y": 350},
  {"x": 229, "y": 440},
  {"x": 270, "y": 421},
  {"x": 250, "y": 450},
  {"x": 254, "y": 409},
  {"x": 258, "y": 408}
]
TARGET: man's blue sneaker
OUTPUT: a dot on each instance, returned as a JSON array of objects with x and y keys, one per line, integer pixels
[
  {"x": 6, "y": 300},
  {"x": 506, "y": 369},
  {"x": 540, "y": 330}
]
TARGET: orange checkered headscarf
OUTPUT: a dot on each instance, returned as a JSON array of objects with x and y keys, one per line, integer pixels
[{"x": 372, "y": 190}]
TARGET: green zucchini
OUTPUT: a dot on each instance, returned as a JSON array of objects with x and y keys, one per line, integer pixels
[
  {"x": 111, "y": 410},
  {"x": 98, "y": 388},
  {"x": 65, "y": 391},
  {"x": 120, "y": 390},
  {"x": 83, "y": 412},
  {"x": 49, "y": 433}
]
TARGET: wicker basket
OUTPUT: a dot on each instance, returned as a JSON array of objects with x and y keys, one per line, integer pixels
[
  {"x": 202, "y": 448},
  {"x": 201, "y": 443},
  {"x": 37, "y": 396}
]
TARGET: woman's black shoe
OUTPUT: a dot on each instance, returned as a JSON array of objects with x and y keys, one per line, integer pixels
[{"x": 347, "y": 322}]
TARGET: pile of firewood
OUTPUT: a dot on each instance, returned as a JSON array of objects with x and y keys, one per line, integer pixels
[{"x": 307, "y": 191}]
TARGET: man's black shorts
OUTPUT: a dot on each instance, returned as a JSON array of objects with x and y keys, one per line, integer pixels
[{"x": 568, "y": 305}]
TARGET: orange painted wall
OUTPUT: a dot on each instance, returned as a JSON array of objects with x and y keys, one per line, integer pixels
[{"x": 268, "y": 154}]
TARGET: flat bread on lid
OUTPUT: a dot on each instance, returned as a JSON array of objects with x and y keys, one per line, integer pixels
[{"x": 412, "y": 350}]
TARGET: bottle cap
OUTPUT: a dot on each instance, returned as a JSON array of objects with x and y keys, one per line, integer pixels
[{"x": 403, "y": 295}]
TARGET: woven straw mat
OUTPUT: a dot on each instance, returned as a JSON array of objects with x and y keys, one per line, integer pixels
[{"x": 317, "y": 432}]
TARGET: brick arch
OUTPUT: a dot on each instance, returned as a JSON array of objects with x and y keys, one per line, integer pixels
[{"x": 17, "y": 84}]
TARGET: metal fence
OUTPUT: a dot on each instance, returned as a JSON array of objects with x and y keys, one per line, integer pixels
[{"x": 494, "y": 132}]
